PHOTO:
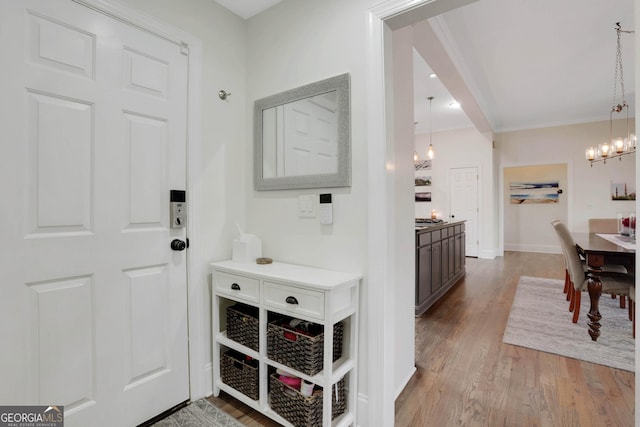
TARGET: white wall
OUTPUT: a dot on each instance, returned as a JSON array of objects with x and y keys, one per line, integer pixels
[
  {"x": 527, "y": 227},
  {"x": 404, "y": 235},
  {"x": 291, "y": 44},
  {"x": 587, "y": 192},
  {"x": 458, "y": 149},
  {"x": 296, "y": 43},
  {"x": 223, "y": 126},
  {"x": 589, "y": 188}
]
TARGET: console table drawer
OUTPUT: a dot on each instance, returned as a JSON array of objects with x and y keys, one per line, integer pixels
[
  {"x": 296, "y": 302},
  {"x": 237, "y": 286}
]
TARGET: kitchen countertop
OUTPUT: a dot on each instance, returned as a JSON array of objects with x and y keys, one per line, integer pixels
[{"x": 435, "y": 226}]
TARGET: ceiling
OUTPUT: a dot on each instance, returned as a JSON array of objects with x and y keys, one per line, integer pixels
[
  {"x": 531, "y": 64},
  {"x": 247, "y": 8},
  {"x": 519, "y": 64}
]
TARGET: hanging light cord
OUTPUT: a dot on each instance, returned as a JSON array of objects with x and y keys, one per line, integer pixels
[
  {"x": 619, "y": 72},
  {"x": 430, "y": 115},
  {"x": 619, "y": 147},
  {"x": 430, "y": 150}
]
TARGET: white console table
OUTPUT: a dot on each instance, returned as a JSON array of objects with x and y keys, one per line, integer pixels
[{"x": 321, "y": 296}]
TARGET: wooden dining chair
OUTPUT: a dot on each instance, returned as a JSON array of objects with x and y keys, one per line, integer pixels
[
  {"x": 567, "y": 279},
  {"x": 606, "y": 226},
  {"x": 603, "y": 225},
  {"x": 618, "y": 283}
]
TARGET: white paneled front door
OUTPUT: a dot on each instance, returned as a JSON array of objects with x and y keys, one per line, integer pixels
[
  {"x": 464, "y": 204},
  {"x": 93, "y": 300}
]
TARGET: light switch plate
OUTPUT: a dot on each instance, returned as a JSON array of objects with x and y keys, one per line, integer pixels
[{"x": 307, "y": 206}]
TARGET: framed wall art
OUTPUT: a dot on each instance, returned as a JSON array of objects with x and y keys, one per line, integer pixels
[
  {"x": 533, "y": 192},
  {"x": 622, "y": 191}
]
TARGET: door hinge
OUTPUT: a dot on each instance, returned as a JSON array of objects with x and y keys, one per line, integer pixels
[{"x": 184, "y": 48}]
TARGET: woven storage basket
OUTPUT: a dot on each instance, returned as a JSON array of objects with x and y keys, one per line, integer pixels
[
  {"x": 298, "y": 350},
  {"x": 240, "y": 373},
  {"x": 300, "y": 410},
  {"x": 243, "y": 325}
]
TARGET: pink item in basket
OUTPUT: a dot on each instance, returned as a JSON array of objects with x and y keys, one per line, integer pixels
[{"x": 291, "y": 381}]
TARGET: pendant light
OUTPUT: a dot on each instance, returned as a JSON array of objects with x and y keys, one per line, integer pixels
[
  {"x": 618, "y": 146},
  {"x": 430, "y": 150}
]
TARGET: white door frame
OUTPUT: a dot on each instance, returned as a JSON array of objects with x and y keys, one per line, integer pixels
[
  {"x": 379, "y": 409},
  {"x": 196, "y": 271}
]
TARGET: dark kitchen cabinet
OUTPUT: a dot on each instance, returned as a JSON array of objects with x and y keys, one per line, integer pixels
[{"x": 440, "y": 262}]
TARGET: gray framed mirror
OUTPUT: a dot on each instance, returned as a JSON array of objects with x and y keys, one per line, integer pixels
[{"x": 302, "y": 137}]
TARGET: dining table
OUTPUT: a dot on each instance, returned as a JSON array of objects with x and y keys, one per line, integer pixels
[{"x": 599, "y": 250}]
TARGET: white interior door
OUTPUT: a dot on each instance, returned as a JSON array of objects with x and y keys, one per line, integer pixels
[
  {"x": 94, "y": 302},
  {"x": 464, "y": 204}
]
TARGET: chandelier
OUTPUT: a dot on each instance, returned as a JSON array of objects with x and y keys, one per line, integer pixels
[{"x": 620, "y": 145}]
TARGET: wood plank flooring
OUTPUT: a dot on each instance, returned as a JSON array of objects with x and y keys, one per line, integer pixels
[{"x": 466, "y": 376}]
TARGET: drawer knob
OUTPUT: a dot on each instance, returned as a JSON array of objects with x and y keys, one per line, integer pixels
[
  {"x": 235, "y": 287},
  {"x": 291, "y": 300}
]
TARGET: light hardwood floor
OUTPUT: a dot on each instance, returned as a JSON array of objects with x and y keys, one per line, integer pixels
[{"x": 466, "y": 376}]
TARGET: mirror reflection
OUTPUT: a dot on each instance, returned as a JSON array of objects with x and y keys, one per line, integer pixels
[{"x": 301, "y": 137}]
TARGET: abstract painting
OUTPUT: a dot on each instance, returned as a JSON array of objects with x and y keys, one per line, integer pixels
[
  {"x": 520, "y": 199},
  {"x": 423, "y": 164},
  {"x": 533, "y": 185},
  {"x": 423, "y": 181},
  {"x": 423, "y": 196},
  {"x": 533, "y": 192}
]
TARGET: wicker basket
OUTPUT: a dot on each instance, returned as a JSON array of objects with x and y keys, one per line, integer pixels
[
  {"x": 240, "y": 373},
  {"x": 298, "y": 350},
  {"x": 243, "y": 325},
  {"x": 300, "y": 410}
]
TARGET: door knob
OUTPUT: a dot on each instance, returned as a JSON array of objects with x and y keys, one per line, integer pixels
[{"x": 178, "y": 245}]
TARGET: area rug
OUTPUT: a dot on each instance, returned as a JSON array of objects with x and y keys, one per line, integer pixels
[
  {"x": 540, "y": 320},
  {"x": 200, "y": 413}
]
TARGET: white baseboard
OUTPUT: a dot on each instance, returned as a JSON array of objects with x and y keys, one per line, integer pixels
[
  {"x": 524, "y": 247},
  {"x": 404, "y": 383},
  {"x": 487, "y": 254},
  {"x": 208, "y": 370}
]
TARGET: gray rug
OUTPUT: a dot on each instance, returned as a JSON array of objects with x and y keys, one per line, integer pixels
[
  {"x": 200, "y": 413},
  {"x": 540, "y": 319}
]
